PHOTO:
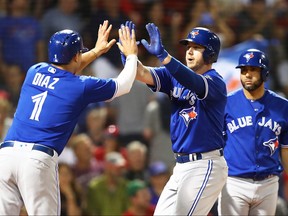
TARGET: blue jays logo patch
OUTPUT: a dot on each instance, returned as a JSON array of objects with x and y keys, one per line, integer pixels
[
  {"x": 273, "y": 145},
  {"x": 188, "y": 115},
  {"x": 194, "y": 33},
  {"x": 248, "y": 56}
]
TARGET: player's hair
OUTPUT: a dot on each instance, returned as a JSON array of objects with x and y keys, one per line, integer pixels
[
  {"x": 63, "y": 45},
  {"x": 206, "y": 38},
  {"x": 256, "y": 58}
]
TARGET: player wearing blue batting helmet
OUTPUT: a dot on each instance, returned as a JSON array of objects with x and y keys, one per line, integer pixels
[
  {"x": 63, "y": 45},
  {"x": 207, "y": 39},
  {"x": 255, "y": 58}
]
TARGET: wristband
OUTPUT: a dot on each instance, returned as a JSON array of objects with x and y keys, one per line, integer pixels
[{"x": 162, "y": 56}]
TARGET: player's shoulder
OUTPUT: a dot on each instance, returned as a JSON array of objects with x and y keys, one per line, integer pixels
[
  {"x": 235, "y": 93},
  {"x": 39, "y": 65},
  {"x": 277, "y": 97}
]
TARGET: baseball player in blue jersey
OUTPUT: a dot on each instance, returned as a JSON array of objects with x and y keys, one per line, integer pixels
[
  {"x": 51, "y": 100},
  {"x": 256, "y": 129},
  {"x": 198, "y": 98}
]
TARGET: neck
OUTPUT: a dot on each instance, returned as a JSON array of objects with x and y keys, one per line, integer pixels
[
  {"x": 256, "y": 94},
  {"x": 65, "y": 67}
]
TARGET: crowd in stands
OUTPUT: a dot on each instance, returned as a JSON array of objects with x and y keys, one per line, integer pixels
[{"x": 119, "y": 156}]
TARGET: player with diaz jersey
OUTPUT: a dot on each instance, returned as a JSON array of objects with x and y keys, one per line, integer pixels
[
  {"x": 198, "y": 98},
  {"x": 51, "y": 100},
  {"x": 256, "y": 129}
]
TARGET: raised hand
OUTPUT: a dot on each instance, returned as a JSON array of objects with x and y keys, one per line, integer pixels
[
  {"x": 127, "y": 41},
  {"x": 155, "y": 47},
  {"x": 131, "y": 26},
  {"x": 102, "y": 45}
]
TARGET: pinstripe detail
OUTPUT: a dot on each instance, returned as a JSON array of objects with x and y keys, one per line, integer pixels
[
  {"x": 206, "y": 87},
  {"x": 208, "y": 173},
  {"x": 58, "y": 191},
  {"x": 157, "y": 80}
]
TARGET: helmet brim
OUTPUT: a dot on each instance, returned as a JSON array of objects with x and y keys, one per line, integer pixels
[{"x": 185, "y": 41}]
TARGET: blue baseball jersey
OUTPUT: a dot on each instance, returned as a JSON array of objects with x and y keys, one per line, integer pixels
[
  {"x": 196, "y": 123},
  {"x": 255, "y": 132},
  {"x": 50, "y": 103}
]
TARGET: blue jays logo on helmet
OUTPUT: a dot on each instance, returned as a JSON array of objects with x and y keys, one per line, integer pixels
[
  {"x": 63, "y": 45},
  {"x": 248, "y": 56},
  {"x": 255, "y": 58},
  {"x": 194, "y": 33},
  {"x": 206, "y": 38}
]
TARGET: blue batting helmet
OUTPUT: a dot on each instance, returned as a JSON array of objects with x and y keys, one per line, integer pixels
[
  {"x": 207, "y": 39},
  {"x": 256, "y": 58},
  {"x": 63, "y": 45}
]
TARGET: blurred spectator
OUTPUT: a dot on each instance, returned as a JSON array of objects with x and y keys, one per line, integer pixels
[
  {"x": 168, "y": 24},
  {"x": 279, "y": 48},
  {"x": 128, "y": 112},
  {"x": 255, "y": 20},
  {"x": 159, "y": 176},
  {"x": 70, "y": 192},
  {"x": 20, "y": 36},
  {"x": 107, "y": 193},
  {"x": 207, "y": 14},
  {"x": 5, "y": 114},
  {"x": 62, "y": 16},
  {"x": 110, "y": 144},
  {"x": 139, "y": 197},
  {"x": 68, "y": 155},
  {"x": 86, "y": 166},
  {"x": 3, "y": 8},
  {"x": 95, "y": 124},
  {"x": 108, "y": 10},
  {"x": 39, "y": 7},
  {"x": 157, "y": 130},
  {"x": 137, "y": 157},
  {"x": 13, "y": 79}
]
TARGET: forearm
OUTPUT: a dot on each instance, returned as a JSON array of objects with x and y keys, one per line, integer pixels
[
  {"x": 127, "y": 76},
  {"x": 143, "y": 74},
  {"x": 88, "y": 57}
]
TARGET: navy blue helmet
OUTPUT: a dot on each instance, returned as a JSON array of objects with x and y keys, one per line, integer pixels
[
  {"x": 256, "y": 58},
  {"x": 63, "y": 45},
  {"x": 207, "y": 39}
]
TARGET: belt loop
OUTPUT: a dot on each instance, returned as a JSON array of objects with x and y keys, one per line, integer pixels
[
  {"x": 191, "y": 157},
  {"x": 194, "y": 157}
]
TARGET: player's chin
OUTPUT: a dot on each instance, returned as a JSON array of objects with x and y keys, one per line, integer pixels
[
  {"x": 249, "y": 87},
  {"x": 190, "y": 64}
]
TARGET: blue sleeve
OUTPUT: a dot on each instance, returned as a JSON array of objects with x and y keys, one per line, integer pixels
[
  {"x": 186, "y": 77},
  {"x": 97, "y": 90}
]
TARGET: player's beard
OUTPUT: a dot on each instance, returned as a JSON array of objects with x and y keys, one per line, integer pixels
[{"x": 251, "y": 88}]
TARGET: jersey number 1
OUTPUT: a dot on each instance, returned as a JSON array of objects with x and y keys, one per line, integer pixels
[{"x": 38, "y": 101}]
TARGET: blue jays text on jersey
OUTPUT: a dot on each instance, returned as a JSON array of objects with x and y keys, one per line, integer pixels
[
  {"x": 57, "y": 98},
  {"x": 195, "y": 122},
  {"x": 255, "y": 134}
]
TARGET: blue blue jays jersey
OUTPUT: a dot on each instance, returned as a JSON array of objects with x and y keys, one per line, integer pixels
[
  {"x": 196, "y": 123},
  {"x": 50, "y": 103},
  {"x": 255, "y": 132}
]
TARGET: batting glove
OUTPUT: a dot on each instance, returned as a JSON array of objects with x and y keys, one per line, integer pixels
[
  {"x": 155, "y": 47},
  {"x": 131, "y": 26}
]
